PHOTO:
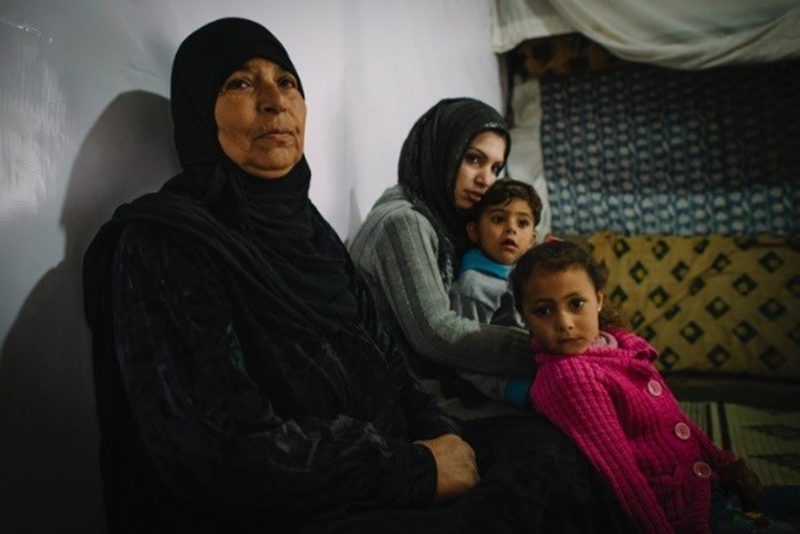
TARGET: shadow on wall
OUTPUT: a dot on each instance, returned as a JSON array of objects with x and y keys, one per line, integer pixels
[
  {"x": 354, "y": 220},
  {"x": 49, "y": 460}
]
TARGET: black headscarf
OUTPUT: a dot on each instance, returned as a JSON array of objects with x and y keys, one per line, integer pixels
[
  {"x": 202, "y": 63},
  {"x": 285, "y": 267},
  {"x": 432, "y": 154}
]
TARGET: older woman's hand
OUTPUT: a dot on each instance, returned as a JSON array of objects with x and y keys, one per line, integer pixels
[{"x": 456, "y": 470}]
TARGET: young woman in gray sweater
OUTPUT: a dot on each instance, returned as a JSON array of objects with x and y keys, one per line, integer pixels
[{"x": 410, "y": 246}]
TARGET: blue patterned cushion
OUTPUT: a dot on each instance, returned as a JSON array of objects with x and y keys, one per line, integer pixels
[{"x": 648, "y": 150}]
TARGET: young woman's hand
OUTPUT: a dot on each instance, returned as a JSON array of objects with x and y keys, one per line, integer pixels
[{"x": 456, "y": 470}]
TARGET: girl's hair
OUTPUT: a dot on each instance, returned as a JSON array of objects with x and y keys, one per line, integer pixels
[
  {"x": 503, "y": 191},
  {"x": 559, "y": 256}
]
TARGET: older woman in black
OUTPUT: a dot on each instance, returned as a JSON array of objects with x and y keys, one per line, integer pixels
[{"x": 243, "y": 378}]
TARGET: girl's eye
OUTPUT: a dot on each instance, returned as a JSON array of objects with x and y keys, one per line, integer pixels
[
  {"x": 496, "y": 169},
  {"x": 497, "y": 219},
  {"x": 577, "y": 304},
  {"x": 541, "y": 311},
  {"x": 524, "y": 223}
]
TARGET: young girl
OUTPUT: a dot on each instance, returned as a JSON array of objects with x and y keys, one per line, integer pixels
[{"x": 600, "y": 387}]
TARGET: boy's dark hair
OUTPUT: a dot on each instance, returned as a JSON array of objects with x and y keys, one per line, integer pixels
[
  {"x": 501, "y": 192},
  {"x": 558, "y": 256}
]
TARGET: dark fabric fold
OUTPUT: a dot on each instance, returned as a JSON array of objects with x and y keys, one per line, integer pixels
[
  {"x": 532, "y": 480},
  {"x": 216, "y": 427},
  {"x": 283, "y": 253}
]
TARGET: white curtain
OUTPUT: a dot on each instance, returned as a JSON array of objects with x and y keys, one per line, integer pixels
[
  {"x": 685, "y": 34},
  {"x": 514, "y": 21},
  {"x": 525, "y": 159}
]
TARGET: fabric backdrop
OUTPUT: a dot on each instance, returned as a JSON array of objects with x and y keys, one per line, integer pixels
[
  {"x": 687, "y": 34},
  {"x": 654, "y": 150}
]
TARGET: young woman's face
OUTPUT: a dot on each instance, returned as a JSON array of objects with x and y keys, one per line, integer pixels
[
  {"x": 504, "y": 232},
  {"x": 261, "y": 119},
  {"x": 562, "y": 310},
  {"x": 482, "y": 160}
]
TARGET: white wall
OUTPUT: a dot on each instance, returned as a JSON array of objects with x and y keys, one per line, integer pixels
[{"x": 84, "y": 125}]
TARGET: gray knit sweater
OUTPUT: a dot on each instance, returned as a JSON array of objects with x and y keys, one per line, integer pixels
[{"x": 398, "y": 251}]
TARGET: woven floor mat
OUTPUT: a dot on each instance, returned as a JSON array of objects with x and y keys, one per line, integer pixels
[{"x": 769, "y": 440}]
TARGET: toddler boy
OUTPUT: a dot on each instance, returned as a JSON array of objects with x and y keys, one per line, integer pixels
[{"x": 502, "y": 228}]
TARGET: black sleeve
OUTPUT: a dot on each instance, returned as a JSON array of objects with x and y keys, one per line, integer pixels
[
  {"x": 426, "y": 420},
  {"x": 215, "y": 435}
]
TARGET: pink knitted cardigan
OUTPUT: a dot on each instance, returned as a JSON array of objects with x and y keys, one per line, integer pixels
[{"x": 617, "y": 408}]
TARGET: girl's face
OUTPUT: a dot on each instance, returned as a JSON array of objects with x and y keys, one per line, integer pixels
[
  {"x": 482, "y": 160},
  {"x": 561, "y": 309}
]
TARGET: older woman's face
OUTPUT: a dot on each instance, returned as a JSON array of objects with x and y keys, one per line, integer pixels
[
  {"x": 261, "y": 119},
  {"x": 482, "y": 160}
]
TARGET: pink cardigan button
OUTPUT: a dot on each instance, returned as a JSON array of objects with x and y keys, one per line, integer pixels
[
  {"x": 654, "y": 388},
  {"x": 701, "y": 469},
  {"x": 683, "y": 431}
]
